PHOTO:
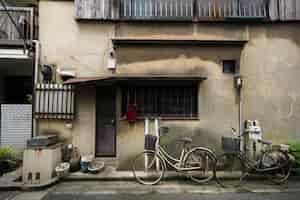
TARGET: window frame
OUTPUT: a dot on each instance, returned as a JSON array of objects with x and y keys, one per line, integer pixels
[
  {"x": 163, "y": 84},
  {"x": 226, "y": 62}
]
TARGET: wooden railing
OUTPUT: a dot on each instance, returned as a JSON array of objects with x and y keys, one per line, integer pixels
[
  {"x": 157, "y": 9},
  {"x": 188, "y": 10},
  {"x": 24, "y": 19},
  {"x": 216, "y": 9},
  {"x": 54, "y": 101}
]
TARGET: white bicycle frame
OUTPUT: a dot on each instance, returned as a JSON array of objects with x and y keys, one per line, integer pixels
[{"x": 177, "y": 164}]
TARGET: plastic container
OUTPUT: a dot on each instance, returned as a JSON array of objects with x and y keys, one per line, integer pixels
[
  {"x": 62, "y": 169},
  {"x": 84, "y": 163}
]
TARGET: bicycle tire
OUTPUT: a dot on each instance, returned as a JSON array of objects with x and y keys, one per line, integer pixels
[
  {"x": 280, "y": 159},
  {"x": 229, "y": 170},
  {"x": 198, "y": 157},
  {"x": 148, "y": 175}
]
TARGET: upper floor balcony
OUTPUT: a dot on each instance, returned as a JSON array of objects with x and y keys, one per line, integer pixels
[
  {"x": 24, "y": 19},
  {"x": 188, "y": 10}
]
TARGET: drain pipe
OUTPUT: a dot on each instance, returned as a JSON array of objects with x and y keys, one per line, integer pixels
[
  {"x": 37, "y": 45},
  {"x": 238, "y": 83}
]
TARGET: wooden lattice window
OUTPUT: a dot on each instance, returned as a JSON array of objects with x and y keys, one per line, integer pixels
[
  {"x": 54, "y": 101},
  {"x": 173, "y": 101}
]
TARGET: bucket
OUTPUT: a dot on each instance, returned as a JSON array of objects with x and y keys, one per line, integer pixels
[{"x": 85, "y": 162}]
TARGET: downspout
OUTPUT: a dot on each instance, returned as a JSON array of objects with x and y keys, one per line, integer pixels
[{"x": 37, "y": 45}]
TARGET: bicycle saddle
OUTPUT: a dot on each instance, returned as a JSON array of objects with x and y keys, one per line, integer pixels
[
  {"x": 186, "y": 140},
  {"x": 264, "y": 142}
]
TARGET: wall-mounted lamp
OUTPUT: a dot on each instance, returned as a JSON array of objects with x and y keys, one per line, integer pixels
[
  {"x": 238, "y": 81},
  {"x": 112, "y": 61}
]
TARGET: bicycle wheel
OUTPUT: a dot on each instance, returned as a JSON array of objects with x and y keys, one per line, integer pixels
[
  {"x": 148, "y": 168},
  {"x": 202, "y": 164},
  {"x": 229, "y": 170},
  {"x": 281, "y": 164}
]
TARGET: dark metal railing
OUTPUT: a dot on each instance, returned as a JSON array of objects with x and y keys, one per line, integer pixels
[{"x": 24, "y": 19}]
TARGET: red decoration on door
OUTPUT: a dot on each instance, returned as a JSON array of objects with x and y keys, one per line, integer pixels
[{"x": 131, "y": 113}]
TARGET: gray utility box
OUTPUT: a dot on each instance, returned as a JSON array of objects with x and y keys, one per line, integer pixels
[
  {"x": 39, "y": 164},
  {"x": 42, "y": 141}
]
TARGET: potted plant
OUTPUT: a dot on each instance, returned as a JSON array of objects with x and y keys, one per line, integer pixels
[{"x": 8, "y": 160}]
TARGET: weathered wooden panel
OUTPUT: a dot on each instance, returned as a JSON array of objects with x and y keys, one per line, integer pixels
[
  {"x": 274, "y": 10},
  {"x": 97, "y": 9},
  {"x": 213, "y": 9},
  {"x": 289, "y": 10},
  {"x": 188, "y": 10}
]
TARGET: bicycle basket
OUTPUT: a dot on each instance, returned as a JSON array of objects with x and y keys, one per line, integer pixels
[
  {"x": 231, "y": 145},
  {"x": 150, "y": 142}
]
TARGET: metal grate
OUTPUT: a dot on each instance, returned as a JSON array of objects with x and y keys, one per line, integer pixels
[
  {"x": 22, "y": 15},
  {"x": 157, "y": 9},
  {"x": 162, "y": 100},
  {"x": 54, "y": 101}
]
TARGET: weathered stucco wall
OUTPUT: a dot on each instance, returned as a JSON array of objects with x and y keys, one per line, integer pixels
[
  {"x": 69, "y": 44},
  {"x": 269, "y": 63}
]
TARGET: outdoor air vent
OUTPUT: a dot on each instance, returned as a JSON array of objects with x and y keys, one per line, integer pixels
[{"x": 66, "y": 74}]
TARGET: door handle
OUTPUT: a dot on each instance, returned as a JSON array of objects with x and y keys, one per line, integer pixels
[{"x": 112, "y": 121}]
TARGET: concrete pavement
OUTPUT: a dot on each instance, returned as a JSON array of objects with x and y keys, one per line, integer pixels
[
  {"x": 171, "y": 189},
  {"x": 180, "y": 196},
  {"x": 167, "y": 187},
  {"x": 175, "y": 190},
  {"x": 21, "y": 195}
]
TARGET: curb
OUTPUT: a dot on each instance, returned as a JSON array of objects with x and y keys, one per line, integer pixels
[
  {"x": 129, "y": 177},
  {"x": 172, "y": 177},
  {"x": 29, "y": 187},
  {"x": 70, "y": 178}
]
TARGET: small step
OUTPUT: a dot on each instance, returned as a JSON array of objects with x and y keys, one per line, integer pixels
[{"x": 110, "y": 162}]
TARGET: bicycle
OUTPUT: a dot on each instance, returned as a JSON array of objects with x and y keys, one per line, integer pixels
[
  {"x": 272, "y": 162},
  {"x": 197, "y": 163}
]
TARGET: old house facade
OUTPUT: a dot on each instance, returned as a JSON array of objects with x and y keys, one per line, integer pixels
[{"x": 175, "y": 59}]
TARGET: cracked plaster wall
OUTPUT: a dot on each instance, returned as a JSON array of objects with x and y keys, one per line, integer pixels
[{"x": 269, "y": 62}]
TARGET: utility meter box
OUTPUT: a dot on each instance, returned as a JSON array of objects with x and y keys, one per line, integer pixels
[
  {"x": 253, "y": 129},
  {"x": 252, "y": 133},
  {"x": 39, "y": 164}
]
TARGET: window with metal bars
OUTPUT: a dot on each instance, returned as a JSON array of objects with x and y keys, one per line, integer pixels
[{"x": 170, "y": 101}]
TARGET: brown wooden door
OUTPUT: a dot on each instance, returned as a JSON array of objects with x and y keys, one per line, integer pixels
[{"x": 105, "y": 122}]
